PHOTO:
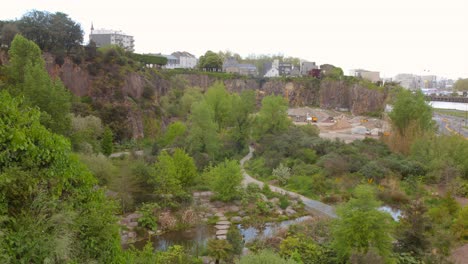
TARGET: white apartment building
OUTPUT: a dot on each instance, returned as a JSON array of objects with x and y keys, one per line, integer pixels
[{"x": 103, "y": 37}]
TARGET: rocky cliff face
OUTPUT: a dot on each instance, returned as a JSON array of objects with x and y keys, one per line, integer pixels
[{"x": 108, "y": 87}]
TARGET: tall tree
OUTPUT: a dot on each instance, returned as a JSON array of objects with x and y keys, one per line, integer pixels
[
  {"x": 203, "y": 137},
  {"x": 107, "y": 145},
  {"x": 219, "y": 101},
  {"x": 210, "y": 62},
  {"x": 273, "y": 116},
  {"x": 226, "y": 179},
  {"x": 242, "y": 107},
  {"x": 361, "y": 227},
  {"x": 27, "y": 76},
  {"x": 52, "y": 32}
]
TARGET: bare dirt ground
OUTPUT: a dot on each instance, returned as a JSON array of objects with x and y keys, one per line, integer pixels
[{"x": 338, "y": 125}]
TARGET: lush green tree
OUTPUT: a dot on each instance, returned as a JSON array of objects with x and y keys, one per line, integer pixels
[
  {"x": 273, "y": 116},
  {"x": 203, "y": 137},
  {"x": 219, "y": 101},
  {"x": 226, "y": 179},
  {"x": 191, "y": 95},
  {"x": 461, "y": 85},
  {"x": 264, "y": 257},
  {"x": 234, "y": 237},
  {"x": 52, "y": 32},
  {"x": 166, "y": 184},
  {"x": 174, "y": 132},
  {"x": 107, "y": 145},
  {"x": 49, "y": 206},
  {"x": 413, "y": 229},
  {"x": 27, "y": 76},
  {"x": 210, "y": 62},
  {"x": 361, "y": 227},
  {"x": 242, "y": 107},
  {"x": 411, "y": 108},
  {"x": 219, "y": 249},
  {"x": 186, "y": 171},
  {"x": 411, "y": 118},
  {"x": 173, "y": 176}
]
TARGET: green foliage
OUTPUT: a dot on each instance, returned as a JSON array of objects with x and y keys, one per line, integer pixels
[
  {"x": 226, "y": 179},
  {"x": 412, "y": 232},
  {"x": 282, "y": 173},
  {"x": 273, "y": 116},
  {"x": 54, "y": 32},
  {"x": 107, "y": 145},
  {"x": 149, "y": 59},
  {"x": 303, "y": 250},
  {"x": 461, "y": 85},
  {"x": 242, "y": 107},
  {"x": 264, "y": 257},
  {"x": 173, "y": 255},
  {"x": 444, "y": 157},
  {"x": 173, "y": 176},
  {"x": 27, "y": 77},
  {"x": 219, "y": 249},
  {"x": 361, "y": 227},
  {"x": 283, "y": 202},
  {"x": 460, "y": 225},
  {"x": 219, "y": 100},
  {"x": 85, "y": 132},
  {"x": 411, "y": 109},
  {"x": 203, "y": 137},
  {"x": 234, "y": 237},
  {"x": 210, "y": 62},
  {"x": 174, "y": 133},
  {"x": 47, "y": 196},
  {"x": 148, "y": 219}
]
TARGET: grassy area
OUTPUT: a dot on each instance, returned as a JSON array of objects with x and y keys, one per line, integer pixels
[{"x": 451, "y": 112}]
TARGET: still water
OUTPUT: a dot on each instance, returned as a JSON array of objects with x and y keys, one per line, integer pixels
[
  {"x": 449, "y": 105},
  {"x": 195, "y": 239}
]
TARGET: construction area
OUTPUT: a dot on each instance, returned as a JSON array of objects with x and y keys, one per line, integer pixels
[{"x": 335, "y": 124}]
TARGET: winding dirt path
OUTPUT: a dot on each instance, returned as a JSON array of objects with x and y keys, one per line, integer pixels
[{"x": 311, "y": 205}]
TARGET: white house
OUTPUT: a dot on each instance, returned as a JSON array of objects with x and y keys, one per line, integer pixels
[
  {"x": 185, "y": 60},
  {"x": 103, "y": 37}
]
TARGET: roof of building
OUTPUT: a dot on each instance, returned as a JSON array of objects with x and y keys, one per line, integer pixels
[
  {"x": 249, "y": 66},
  {"x": 179, "y": 54}
]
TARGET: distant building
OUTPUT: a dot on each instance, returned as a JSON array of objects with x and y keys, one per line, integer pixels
[
  {"x": 172, "y": 62},
  {"x": 231, "y": 65},
  {"x": 372, "y": 76},
  {"x": 429, "y": 81},
  {"x": 185, "y": 60},
  {"x": 307, "y": 67},
  {"x": 103, "y": 37},
  {"x": 285, "y": 68},
  {"x": 408, "y": 81}
]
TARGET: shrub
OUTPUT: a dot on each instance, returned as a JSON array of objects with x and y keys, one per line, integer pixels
[
  {"x": 148, "y": 219},
  {"x": 283, "y": 202}
]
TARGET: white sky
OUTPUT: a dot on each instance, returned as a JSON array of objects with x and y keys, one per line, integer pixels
[{"x": 390, "y": 36}]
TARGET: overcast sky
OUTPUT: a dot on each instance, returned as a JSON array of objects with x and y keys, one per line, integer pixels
[{"x": 390, "y": 36}]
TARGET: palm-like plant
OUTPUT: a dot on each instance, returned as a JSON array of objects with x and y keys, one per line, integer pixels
[{"x": 219, "y": 249}]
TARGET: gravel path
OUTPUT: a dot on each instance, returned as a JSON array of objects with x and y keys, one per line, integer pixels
[{"x": 312, "y": 205}]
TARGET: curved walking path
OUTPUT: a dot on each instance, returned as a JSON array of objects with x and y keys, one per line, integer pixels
[{"x": 311, "y": 205}]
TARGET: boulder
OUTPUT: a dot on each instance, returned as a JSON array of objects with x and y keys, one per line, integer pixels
[
  {"x": 289, "y": 211},
  {"x": 223, "y": 223},
  {"x": 221, "y": 232},
  {"x": 218, "y": 214},
  {"x": 222, "y": 227},
  {"x": 221, "y": 237},
  {"x": 274, "y": 200}
]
